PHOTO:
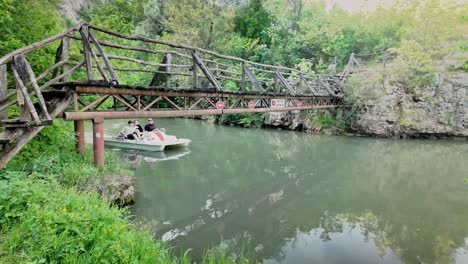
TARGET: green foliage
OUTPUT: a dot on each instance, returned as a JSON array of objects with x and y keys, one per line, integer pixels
[
  {"x": 326, "y": 121},
  {"x": 253, "y": 22},
  {"x": 56, "y": 139},
  {"x": 49, "y": 224},
  {"x": 413, "y": 65},
  {"x": 245, "y": 120},
  {"x": 119, "y": 15},
  {"x": 23, "y": 22}
]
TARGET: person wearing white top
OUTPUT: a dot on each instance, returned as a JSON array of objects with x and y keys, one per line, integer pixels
[{"x": 130, "y": 131}]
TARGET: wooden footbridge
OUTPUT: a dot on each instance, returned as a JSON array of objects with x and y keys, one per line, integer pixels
[{"x": 98, "y": 74}]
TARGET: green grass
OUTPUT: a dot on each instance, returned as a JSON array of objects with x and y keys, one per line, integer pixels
[{"x": 45, "y": 223}]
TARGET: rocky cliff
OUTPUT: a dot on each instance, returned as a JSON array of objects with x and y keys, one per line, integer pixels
[{"x": 436, "y": 111}]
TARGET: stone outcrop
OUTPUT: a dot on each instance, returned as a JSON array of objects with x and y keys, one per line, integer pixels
[
  {"x": 437, "y": 111},
  {"x": 292, "y": 120},
  {"x": 117, "y": 189}
]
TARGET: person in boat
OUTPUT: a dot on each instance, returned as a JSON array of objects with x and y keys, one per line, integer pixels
[
  {"x": 130, "y": 131},
  {"x": 138, "y": 126},
  {"x": 150, "y": 126}
]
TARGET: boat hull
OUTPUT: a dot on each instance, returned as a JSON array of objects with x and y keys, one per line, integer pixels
[{"x": 133, "y": 145}]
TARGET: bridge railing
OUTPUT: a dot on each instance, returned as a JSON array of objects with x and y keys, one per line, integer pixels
[{"x": 90, "y": 54}]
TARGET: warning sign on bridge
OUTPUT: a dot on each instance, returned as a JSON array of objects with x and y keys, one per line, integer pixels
[
  {"x": 277, "y": 103},
  {"x": 220, "y": 105}
]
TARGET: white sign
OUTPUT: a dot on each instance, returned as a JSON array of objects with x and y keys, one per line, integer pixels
[{"x": 277, "y": 103}]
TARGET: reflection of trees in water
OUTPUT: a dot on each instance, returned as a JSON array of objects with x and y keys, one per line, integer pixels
[{"x": 264, "y": 186}]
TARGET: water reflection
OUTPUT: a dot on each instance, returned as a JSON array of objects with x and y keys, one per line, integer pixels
[
  {"x": 283, "y": 197},
  {"x": 135, "y": 157}
]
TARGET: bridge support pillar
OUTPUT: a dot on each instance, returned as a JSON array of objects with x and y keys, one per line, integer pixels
[
  {"x": 98, "y": 142},
  {"x": 79, "y": 134}
]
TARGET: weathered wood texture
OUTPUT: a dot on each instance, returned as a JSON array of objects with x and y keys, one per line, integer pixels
[
  {"x": 18, "y": 137},
  {"x": 3, "y": 89}
]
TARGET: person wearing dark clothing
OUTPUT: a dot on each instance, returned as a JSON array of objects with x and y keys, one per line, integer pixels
[
  {"x": 138, "y": 126},
  {"x": 150, "y": 126}
]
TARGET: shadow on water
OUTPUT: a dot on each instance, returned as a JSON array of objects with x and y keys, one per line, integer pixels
[{"x": 286, "y": 197}]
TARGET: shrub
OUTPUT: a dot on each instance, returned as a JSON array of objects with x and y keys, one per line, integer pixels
[
  {"x": 44, "y": 223},
  {"x": 413, "y": 66}
]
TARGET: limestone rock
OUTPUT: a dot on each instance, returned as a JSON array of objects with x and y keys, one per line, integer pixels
[{"x": 117, "y": 189}]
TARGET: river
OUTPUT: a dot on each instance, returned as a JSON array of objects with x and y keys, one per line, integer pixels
[{"x": 290, "y": 197}]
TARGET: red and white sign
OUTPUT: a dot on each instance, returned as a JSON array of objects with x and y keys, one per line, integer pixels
[
  {"x": 251, "y": 105},
  {"x": 276, "y": 103},
  {"x": 299, "y": 103},
  {"x": 219, "y": 105}
]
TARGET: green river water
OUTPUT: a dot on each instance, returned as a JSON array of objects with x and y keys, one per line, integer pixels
[{"x": 291, "y": 197}]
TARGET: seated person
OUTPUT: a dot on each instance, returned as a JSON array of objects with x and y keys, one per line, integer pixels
[
  {"x": 138, "y": 126},
  {"x": 130, "y": 131},
  {"x": 150, "y": 126}
]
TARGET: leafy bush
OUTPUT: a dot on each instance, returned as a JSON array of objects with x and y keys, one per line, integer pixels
[
  {"x": 246, "y": 120},
  {"x": 44, "y": 223},
  {"x": 413, "y": 66},
  {"x": 327, "y": 121}
]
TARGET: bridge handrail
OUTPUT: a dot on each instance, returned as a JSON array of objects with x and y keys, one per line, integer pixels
[
  {"x": 188, "y": 47},
  {"x": 8, "y": 57}
]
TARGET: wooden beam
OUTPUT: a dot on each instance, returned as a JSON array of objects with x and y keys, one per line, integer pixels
[
  {"x": 180, "y": 113},
  {"x": 82, "y": 89},
  {"x": 95, "y": 103},
  {"x": 104, "y": 57},
  {"x": 168, "y": 69},
  {"x": 285, "y": 83},
  {"x": 195, "y": 73},
  {"x": 174, "y": 105},
  {"x": 84, "y": 32},
  {"x": 87, "y": 44},
  {"x": 253, "y": 80},
  {"x": 242, "y": 84},
  {"x": 118, "y": 97},
  {"x": 207, "y": 73},
  {"x": 28, "y": 70},
  {"x": 3, "y": 89},
  {"x": 27, "y": 108},
  {"x": 152, "y": 103},
  {"x": 65, "y": 58},
  {"x": 20, "y": 136}
]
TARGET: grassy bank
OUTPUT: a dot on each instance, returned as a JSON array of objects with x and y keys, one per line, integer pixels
[{"x": 45, "y": 218}]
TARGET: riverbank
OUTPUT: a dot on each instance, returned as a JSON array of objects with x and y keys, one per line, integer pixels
[{"x": 56, "y": 207}]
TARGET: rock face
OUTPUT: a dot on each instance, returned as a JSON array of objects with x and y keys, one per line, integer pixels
[
  {"x": 291, "y": 120},
  {"x": 437, "y": 111},
  {"x": 71, "y": 8},
  {"x": 116, "y": 189}
]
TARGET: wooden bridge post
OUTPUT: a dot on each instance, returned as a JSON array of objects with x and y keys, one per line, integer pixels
[
  {"x": 79, "y": 129},
  {"x": 195, "y": 70},
  {"x": 79, "y": 134},
  {"x": 168, "y": 69},
  {"x": 98, "y": 142},
  {"x": 277, "y": 89},
  {"x": 65, "y": 58},
  {"x": 3, "y": 89},
  {"x": 87, "y": 53},
  {"x": 243, "y": 77}
]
